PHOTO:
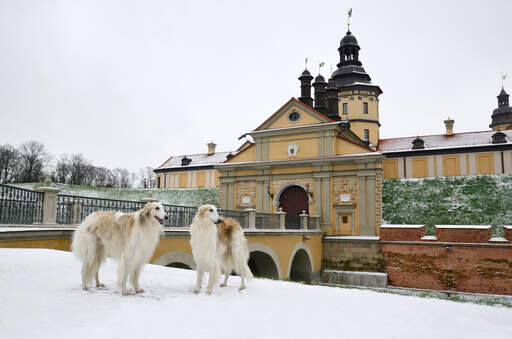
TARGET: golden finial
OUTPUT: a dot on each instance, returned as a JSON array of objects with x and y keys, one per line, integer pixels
[{"x": 503, "y": 77}]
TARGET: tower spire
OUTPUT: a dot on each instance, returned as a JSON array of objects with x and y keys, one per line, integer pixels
[
  {"x": 503, "y": 77},
  {"x": 348, "y": 19}
]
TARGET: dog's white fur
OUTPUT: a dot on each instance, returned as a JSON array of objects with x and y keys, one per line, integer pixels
[
  {"x": 217, "y": 244},
  {"x": 129, "y": 237}
]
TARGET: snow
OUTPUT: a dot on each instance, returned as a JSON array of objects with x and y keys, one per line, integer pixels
[
  {"x": 401, "y": 226},
  {"x": 40, "y": 297},
  {"x": 477, "y": 227},
  {"x": 429, "y": 237},
  {"x": 352, "y": 237},
  {"x": 498, "y": 239}
]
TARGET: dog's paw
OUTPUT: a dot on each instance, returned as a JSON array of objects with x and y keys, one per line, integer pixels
[
  {"x": 85, "y": 288},
  {"x": 100, "y": 285},
  {"x": 196, "y": 290},
  {"x": 126, "y": 293},
  {"x": 209, "y": 291},
  {"x": 139, "y": 290},
  {"x": 223, "y": 285}
]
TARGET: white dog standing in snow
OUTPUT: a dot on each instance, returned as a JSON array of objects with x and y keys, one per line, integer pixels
[
  {"x": 129, "y": 237},
  {"x": 218, "y": 243}
]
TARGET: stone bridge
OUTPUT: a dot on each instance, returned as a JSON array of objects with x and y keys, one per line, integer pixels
[{"x": 276, "y": 254}]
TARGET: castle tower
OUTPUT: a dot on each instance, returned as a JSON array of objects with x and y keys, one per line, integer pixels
[
  {"x": 358, "y": 98},
  {"x": 502, "y": 116},
  {"x": 305, "y": 88},
  {"x": 319, "y": 86}
]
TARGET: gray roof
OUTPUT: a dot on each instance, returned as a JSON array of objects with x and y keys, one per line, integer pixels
[
  {"x": 441, "y": 141},
  {"x": 197, "y": 160}
]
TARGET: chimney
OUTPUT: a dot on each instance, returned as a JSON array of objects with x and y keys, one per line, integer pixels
[
  {"x": 211, "y": 147},
  {"x": 448, "y": 123}
]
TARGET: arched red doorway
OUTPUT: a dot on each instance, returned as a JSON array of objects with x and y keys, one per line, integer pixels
[{"x": 294, "y": 200}]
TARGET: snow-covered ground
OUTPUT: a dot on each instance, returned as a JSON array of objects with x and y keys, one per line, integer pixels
[{"x": 40, "y": 297}]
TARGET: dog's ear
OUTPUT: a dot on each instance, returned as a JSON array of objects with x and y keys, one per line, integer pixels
[
  {"x": 146, "y": 211},
  {"x": 203, "y": 209}
]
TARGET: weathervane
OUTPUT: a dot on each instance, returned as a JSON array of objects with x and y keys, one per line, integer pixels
[
  {"x": 320, "y": 65},
  {"x": 503, "y": 77},
  {"x": 306, "y": 62},
  {"x": 348, "y": 19}
]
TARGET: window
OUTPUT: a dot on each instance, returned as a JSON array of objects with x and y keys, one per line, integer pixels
[
  {"x": 367, "y": 135},
  {"x": 158, "y": 182},
  {"x": 345, "y": 108},
  {"x": 365, "y": 107},
  {"x": 294, "y": 116}
]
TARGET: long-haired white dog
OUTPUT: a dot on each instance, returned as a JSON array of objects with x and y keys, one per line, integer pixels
[
  {"x": 218, "y": 243},
  {"x": 129, "y": 237}
]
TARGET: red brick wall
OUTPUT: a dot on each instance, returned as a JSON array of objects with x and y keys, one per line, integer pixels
[
  {"x": 402, "y": 234},
  {"x": 467, "y": 235},
  {"x": 465, "y": 261},
  {"x": 462, "y": 268},
  {"x": 508, "y": 233}
]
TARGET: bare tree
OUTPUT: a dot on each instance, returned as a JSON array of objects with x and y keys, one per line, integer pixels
[
  {"x": 123, "y": 178},
  {"x": 147, "y": 177},
  {"x": 9, "y": 163},
  {"x": 62, "y": 170},
  {"x": 33, "y": 159}
]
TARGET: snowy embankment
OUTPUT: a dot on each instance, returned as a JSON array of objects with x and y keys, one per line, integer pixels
[
  {"x": 471, "y": 200},
  {"x": 40, "y": 297}
]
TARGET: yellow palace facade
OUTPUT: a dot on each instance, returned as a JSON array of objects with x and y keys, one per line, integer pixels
[{"x": 322, "y": 155}]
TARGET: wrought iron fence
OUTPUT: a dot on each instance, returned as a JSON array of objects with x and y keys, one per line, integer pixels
[
  {"x": 19, "y": 205},
  {"x": 241, "y": 216},
  {"x": 267, "y": 221},
  {"x": 179, "y": 216},
  {"x": 73, "y": 209}
]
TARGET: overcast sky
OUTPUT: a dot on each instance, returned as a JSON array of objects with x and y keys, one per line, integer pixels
[{"x": 129, "y": 83}]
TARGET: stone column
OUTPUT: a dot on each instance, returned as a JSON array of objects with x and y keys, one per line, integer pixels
[
  {"x": 282, "y": 218},
  {"x": 252, "y": 217},
  {"x": 49, "y": 216},
  {"x": 304, "y": 220},
  {"x": 149, "y": 198}
]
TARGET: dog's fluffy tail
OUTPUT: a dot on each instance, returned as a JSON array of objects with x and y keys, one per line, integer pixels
[
  {"x": 88, "y": 250},
  {"x": 241, "y": 256}
]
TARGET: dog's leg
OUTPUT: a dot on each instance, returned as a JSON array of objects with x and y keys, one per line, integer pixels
[
  {"x": 99, "y": 259},
  {"x": 199, "y": 281},
  {"x": 84, "y": 276},
  {"x": 135, "y": 280},
  {"x": 242, "y": 285},
  {"x": 122, "y": 275},
  {"x": 227, "y": 272},
  {"x": 212, "y": 278}
]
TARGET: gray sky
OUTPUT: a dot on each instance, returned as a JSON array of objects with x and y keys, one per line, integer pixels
[{"x": 129, "y": 83}]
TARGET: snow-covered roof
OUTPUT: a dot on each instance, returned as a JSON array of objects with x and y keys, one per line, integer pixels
[
  {"x": 441, "y": 141},
  {"x": 196, "y": 160}
]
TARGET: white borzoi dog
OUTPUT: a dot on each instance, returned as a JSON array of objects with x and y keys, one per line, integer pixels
[
  {"x": 129, "y": 237},
  {"x": 218, "y": 243}
]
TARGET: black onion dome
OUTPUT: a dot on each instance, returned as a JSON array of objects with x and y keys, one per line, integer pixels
[
  {"x": 319, "y": 78},
  {"x": 348, "y": 39},
  {"x": 305, "y": 75}
]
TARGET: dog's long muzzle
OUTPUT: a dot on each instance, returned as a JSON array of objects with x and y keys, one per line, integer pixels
[{"x": 218, "y": 221}]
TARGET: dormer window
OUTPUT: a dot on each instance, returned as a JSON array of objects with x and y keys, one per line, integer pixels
[
  {"x": 418, "y": 144},
  {"x": 499, "y": 138},
  {"x": 185, "y": 161}
]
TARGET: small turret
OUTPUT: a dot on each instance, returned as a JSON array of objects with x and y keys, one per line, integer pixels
[
  {"x": 332, "y": 100},
  {"x": 319, "y": 86},
  {"x": 502, "y": 116},
  {"x": 305, "y": 88}
]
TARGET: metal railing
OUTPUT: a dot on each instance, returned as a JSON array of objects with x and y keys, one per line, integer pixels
[
  {"x": 240, "y": 216},
  {"x": 73, "y": 209},
  {"x": 20, "y": 206},
  {"x": 179, "y": 216},
  {"x": 267, "y": 221}
]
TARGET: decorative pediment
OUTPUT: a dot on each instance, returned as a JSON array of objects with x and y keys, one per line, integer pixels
[{"x": 292, "y": 114}]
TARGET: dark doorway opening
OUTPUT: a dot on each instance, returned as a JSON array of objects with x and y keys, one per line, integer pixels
[{"x": 294, "y": 200}]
